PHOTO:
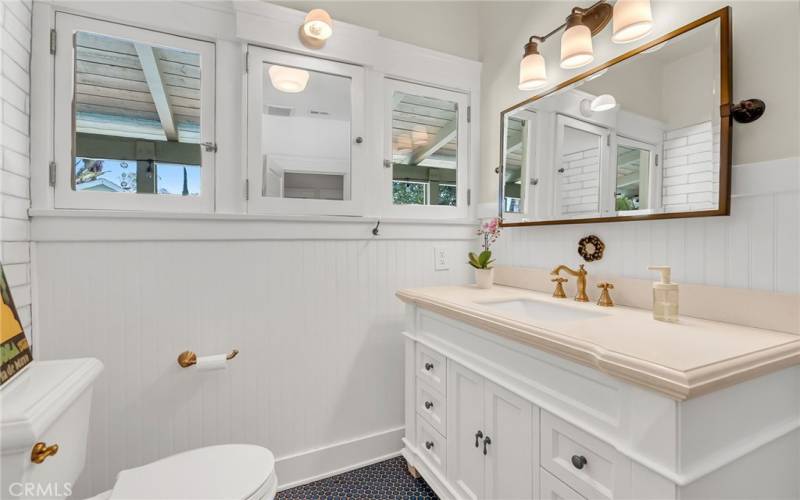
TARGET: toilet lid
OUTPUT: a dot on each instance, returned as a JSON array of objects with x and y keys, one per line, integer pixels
[{"x": 232, "y": 471}]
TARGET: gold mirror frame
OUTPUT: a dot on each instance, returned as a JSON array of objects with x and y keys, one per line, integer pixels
[{"x": 726, "y": 84}]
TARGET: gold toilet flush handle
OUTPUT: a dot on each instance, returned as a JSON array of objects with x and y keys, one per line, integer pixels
[
  {"x": 605, "y": 297},
  {"x": 41, "y": 451}
]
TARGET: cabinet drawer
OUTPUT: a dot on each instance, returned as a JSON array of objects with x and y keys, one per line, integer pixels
[
  {"x": 431, "y": 445},
  {"x": 553, "y": 489},
  {"x": 431, "y": 405},
  {"x": 585, "y": 463},
  {"x": 432, "y": 368}
]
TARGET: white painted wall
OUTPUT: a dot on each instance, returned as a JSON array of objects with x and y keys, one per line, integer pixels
[{"x": 15, "y": 48}]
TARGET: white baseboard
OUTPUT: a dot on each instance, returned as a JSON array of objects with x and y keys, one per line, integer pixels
[{"x": 319, "y": 463}]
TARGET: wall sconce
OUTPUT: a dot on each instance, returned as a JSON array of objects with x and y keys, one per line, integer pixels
[
  {"x": 289, "y": 80},
  {"x": 633, "y": 20},
  {"x": 532, "y": 70},
  {"x": 316, "y": 29},
  {"x": 600, "y": 103}
]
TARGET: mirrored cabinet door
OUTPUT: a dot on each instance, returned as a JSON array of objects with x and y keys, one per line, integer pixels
[
  {"x": 426, "y": 143},
  {"x": 306, "y": 144}
]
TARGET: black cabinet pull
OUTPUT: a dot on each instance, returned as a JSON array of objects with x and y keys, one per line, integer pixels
[
  {"x": 428, "y": 366},
  {"x": 486, "y": 441},
  {"x": 578, "y": 461},
  {"x": 428, "y": 405},
  {"x": 429, "y": 444},
  {"x": 478, "y": 435}
]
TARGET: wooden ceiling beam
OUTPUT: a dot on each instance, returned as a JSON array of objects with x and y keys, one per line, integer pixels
[{"x": 155, "y": 81}]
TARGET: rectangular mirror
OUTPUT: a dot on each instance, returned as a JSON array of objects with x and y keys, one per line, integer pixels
[{"x": 643, "y": 136}]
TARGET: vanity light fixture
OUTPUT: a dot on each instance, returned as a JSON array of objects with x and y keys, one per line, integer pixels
[
  {"x": 532, "y": 70},
  {"x": 289, "y": 80},
  {"x": 318, "y": 25},
  {"x": 633, "y": 20}
]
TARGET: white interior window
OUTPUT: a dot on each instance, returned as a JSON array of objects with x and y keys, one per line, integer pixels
[
  {"x": 133, "y": 108},
  {"x": 636, "y": 186},
  {"x": 305, "y": 135},
  {"x": 426, "y": 151}
]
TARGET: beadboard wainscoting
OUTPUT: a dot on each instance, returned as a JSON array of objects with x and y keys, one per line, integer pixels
[
  {"x": 755, "y": 247},
  {"x": 319, "y": 377}
]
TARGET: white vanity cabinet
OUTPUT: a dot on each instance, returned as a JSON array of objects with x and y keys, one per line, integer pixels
[{"x": 491, "y": 417}]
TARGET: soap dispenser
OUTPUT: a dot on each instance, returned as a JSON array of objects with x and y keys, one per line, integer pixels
[{"x": 665, "y": 296}]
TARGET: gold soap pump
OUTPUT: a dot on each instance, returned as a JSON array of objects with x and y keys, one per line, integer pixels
[{"x": 665, "y": 296}]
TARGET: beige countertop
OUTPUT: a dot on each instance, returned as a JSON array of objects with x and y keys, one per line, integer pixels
[{"x": 680, "y": 360}]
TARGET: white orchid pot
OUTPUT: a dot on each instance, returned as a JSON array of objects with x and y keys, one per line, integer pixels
[{"x": 484, "y": 278}]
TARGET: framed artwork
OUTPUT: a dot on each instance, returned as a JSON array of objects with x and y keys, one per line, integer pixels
[{"x": 14, "y": 348}]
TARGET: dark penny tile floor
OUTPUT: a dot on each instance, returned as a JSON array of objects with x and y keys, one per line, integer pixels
[{"x": 382, "y": 481}]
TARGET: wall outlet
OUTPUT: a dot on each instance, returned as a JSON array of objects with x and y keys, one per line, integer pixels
[{"x": 440, "y": 259}]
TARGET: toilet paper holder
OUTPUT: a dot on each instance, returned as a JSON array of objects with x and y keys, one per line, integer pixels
[{"x": 188, "y": 358}]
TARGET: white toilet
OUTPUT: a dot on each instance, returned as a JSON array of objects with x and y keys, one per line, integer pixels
[{"x": 50, "y": 402}]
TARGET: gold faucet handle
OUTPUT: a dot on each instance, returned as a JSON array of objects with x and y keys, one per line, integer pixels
[
  {"x": 559, "y": 291},
  {"x": 605, "y": 297}
]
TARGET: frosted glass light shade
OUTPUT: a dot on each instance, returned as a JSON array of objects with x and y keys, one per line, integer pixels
[
  {"x": 532, "y": 72},
  {"x": 603, "y": 103},
  {"x": 289, "y": 80},
  {"x": 318, "y": 25},
  {"x": 576, "y": 47},
  {"x": 633, "y": 19}
]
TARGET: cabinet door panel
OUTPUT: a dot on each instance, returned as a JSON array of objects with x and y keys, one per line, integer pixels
[
  {"x": 465, "y": 463},
  {"x": 509, "y": 456}
]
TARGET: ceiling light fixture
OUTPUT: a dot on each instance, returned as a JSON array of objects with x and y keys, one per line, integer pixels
[
  {"x": 633, "y": 20},
  {"x": 289, "y": 80},
  {"x": 600, "y": 103},
  {"x": 532, "y": 70}
]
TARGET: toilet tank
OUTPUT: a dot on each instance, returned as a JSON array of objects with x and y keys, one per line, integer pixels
[{"x": 47, "y": 403}]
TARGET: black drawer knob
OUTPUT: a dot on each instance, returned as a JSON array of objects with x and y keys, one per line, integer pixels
[
  {"x": 428, "y": 405},
  {"x": 578, "y": 461},
  {"x": 429, "y": 366},
  {"x": 429, "y": 444}
]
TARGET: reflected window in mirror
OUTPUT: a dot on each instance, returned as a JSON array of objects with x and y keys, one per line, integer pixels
[
  {"x": 140, "y": 106},
  {"x": 643, "y": 137}
]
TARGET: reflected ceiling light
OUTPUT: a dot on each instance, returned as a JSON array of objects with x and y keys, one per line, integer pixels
[
  {"x": 318, "y": 25},
  {"x": 289, "y": 80},
  {"x": 633, "y": 19},
  {"x": 532, "y": 71},
  {"x": 600, "y": 103},
  {"x": 576, "y": 43}
]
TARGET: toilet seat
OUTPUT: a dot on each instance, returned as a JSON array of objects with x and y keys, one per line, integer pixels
[{"x": 233, "y": 471}]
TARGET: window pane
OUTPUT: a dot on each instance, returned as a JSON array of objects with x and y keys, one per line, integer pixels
[
  {"x": 306, "y": 137},
  {"x": 137, "y": 117},
  {"x": 424, "y": 149},
  {"x": 633, "y": 178}
]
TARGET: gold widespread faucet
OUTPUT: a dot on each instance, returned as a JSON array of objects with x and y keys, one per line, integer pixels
[{"x": 580, "y": 274}]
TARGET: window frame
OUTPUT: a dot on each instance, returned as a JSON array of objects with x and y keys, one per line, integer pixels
[
  {"x": 256, "y": 203},
  {"x": 386, "y": 203},
  {"x": 654, "y": 177},
  {"x": 65, "y": 197}
]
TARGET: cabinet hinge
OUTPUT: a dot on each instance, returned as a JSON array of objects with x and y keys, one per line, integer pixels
[
  {"x": 53, "y": 41},
  {"x": 247, "y": 189},
  {"x": 608, "y": 140},
  {"x": 469, "y": 197},
  {"x": 247, "y": 61},
  {"x": 52, "y": 173},
  {"x": 469, "y": 114},
  {"x": 210, "y": 147},
  {"x": 656, "y": 159}
]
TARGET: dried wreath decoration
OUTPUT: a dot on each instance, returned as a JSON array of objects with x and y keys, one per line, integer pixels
[{"x": 591, "y": 248}]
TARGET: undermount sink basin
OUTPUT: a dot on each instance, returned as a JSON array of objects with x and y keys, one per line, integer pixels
[{"x": 542, "y": 311}]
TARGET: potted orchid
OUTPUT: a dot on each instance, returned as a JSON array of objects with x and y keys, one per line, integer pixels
[{"x": 482, "y": 262}]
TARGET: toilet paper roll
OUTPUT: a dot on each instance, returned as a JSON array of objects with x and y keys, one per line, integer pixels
[{"x": 216, "y": 362}]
